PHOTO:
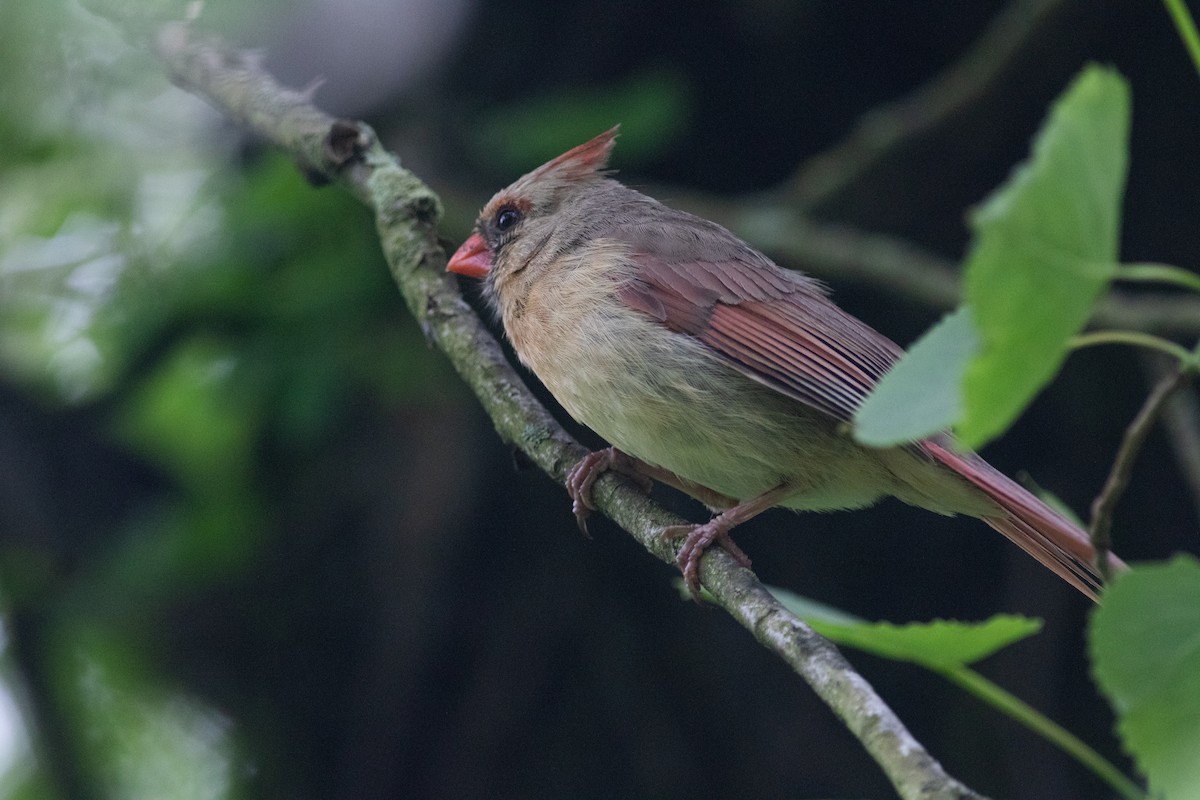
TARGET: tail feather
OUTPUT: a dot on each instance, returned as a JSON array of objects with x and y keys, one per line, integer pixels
[
  {"x": 1066, "y": 566},
  {"x": 1056, "y": 542}
]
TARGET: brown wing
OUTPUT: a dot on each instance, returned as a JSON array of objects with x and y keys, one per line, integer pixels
[{"x": 776, "y": 327}]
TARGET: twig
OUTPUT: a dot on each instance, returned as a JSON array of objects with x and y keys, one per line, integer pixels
[
  {"x": 1176, "y": 351},
  {"x": 1181, "y": 416},
  {"x": 1175, "y": 315},
  {"x": 406, "y": 216},
  {"x": 886, "y": 129},
  {"x": 1118, "y": 478}
]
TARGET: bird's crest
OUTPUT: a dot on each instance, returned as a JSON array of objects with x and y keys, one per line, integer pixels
[{"x": 589, "y": 158}]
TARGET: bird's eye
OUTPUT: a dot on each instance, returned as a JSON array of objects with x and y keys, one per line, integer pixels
[{"x": 507, "y": 217}]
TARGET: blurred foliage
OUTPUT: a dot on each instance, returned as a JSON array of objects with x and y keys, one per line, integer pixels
[
  {"x": 143, "y": 740},
  {"x": 221, "y": 329}
]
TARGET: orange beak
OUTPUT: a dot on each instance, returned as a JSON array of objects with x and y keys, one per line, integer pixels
[{"x": 472, "y": 259}]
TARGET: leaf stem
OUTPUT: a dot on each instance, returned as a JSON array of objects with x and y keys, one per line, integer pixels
[
  {"x": 1030, "y": 717},
  {"x": 1176, "y": 351},
  {"x": 1186, "y": 27},
  {"x": 1159, "y": 273}
]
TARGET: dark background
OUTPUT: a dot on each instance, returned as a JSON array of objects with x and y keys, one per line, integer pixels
[{"x": 271, "y": 499}]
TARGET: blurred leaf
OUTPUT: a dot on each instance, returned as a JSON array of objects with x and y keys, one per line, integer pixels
[
  {"x": 938, "y": 645},
  {"x": 651, "y": 107},
  {"x": 175, "y": 550},
  {"x": 141, "y": 739},
  {"x": 101, "y": 170},
  {"x": 1145, "y": 643},
  {"x": 1045, "y": 249},
  {"x": 187, "y": 419},
  {"x": 922, "y": 394}
]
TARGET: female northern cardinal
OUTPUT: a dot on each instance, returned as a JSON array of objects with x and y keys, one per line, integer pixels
[{"x": 710, "y": 368}]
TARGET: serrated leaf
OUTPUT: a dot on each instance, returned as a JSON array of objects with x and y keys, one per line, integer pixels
[
  {"x": 1145, "y": 643},
  {"x": 1045, "y": 248},
  {"x": 922, "y": 394},
  {"x": 939, "y": 645}
]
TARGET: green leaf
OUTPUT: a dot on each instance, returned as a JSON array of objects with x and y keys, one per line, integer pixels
[
  {"x": 1045, "y": 248},
  {"x": 946, "y": 648},
  {"x": 939, "y": 645},
  {"x": 922, "y": 393},
  {"x": 1145, "y": 643}
]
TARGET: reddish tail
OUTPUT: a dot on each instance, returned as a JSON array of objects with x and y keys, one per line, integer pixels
[{"x": 1033, "y": 526}]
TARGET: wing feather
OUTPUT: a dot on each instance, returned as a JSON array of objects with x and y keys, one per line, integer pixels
[{"x": 774, "y": 326}]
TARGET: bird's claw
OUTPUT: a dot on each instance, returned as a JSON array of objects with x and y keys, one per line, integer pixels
[
  {"x": 583, "y": 476},
  {"x": 580, "y": 480},
  {"x": 697, "y": 539}
]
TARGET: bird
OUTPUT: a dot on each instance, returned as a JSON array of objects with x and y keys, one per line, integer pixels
[{"x": 709, "y": 368}]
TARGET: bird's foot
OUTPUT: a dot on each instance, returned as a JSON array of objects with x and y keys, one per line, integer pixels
[
  {"x": 583, "y": 477},
  {"x": 697, "y": 539}
]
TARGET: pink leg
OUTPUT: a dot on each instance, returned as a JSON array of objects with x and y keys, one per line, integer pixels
[
  {"x": 698, "y": 538},
  {"x": 584, "y": 475}
]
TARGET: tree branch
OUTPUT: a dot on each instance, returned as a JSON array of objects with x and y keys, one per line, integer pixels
[
  {"x": 407, "y": 213},
  {"x": 884, "y": 130}
]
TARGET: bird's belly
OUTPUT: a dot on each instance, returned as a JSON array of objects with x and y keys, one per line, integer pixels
[{"x": 667, "y": 400}]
